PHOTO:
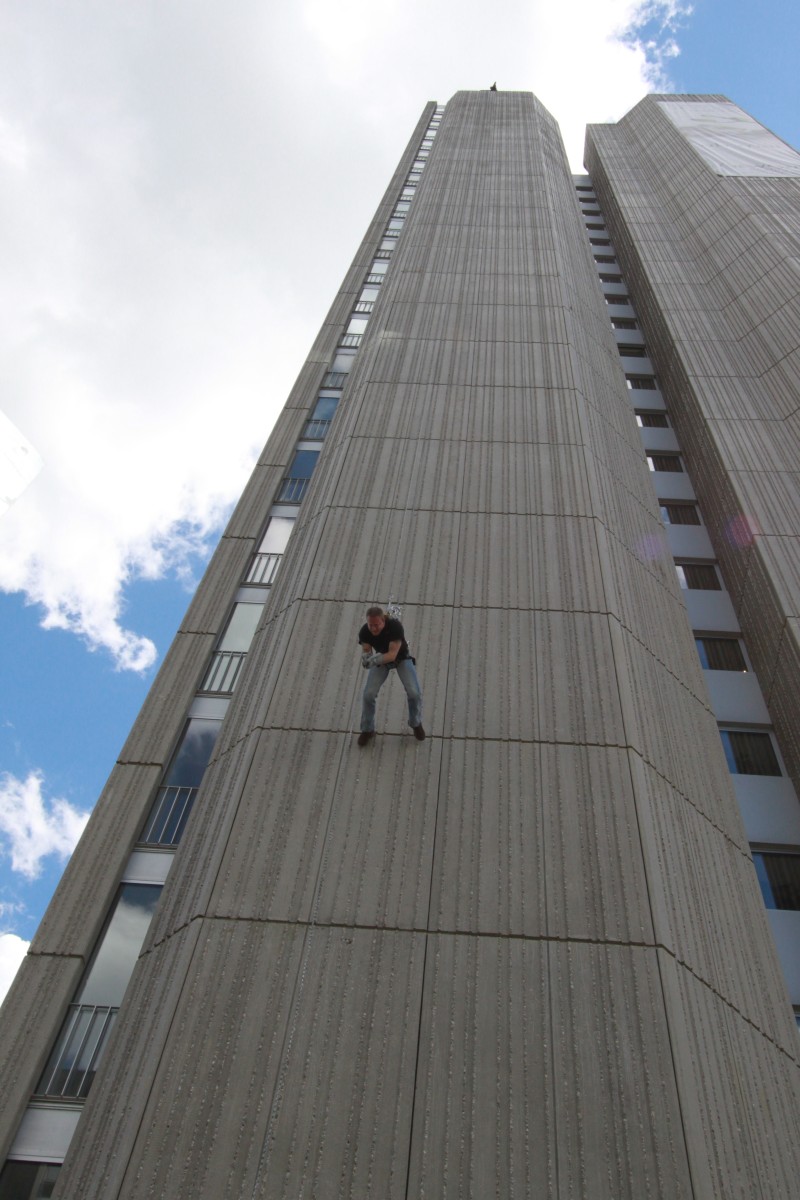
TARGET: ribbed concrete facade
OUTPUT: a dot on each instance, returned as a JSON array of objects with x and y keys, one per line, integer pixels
[
  {"x": 528, "y": 956},
  {"x": 715, "y": 263}
]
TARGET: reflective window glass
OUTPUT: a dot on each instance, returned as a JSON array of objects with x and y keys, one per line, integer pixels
[
  {"x": 119, "y": 946},
  {"x": 277, "y": 534},
  {"x": 369, "y": 294},
  {"x": 324, "y": 408},
  {"x": 28, "y": 1180},
  {"x": 241, "y": 627},
  {"x": 342, "y": 362},
  {"x": 720, "y": 654},
  {"x": 379, "y": 268},
  {"x": 779, "y": 877},
  {"x": 303, "y": 464},
  {"x": 699, "y": 577},
  {"x": 194, "y": 751},
  {"x": 749, "y": 753},
  {"x": 357, "y": 325}
]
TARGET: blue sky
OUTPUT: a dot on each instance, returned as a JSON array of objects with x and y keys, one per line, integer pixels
[{"x": 161, "y": 167}]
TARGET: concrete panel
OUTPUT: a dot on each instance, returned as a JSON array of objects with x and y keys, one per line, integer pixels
[
  {"x": 669, "y": 485},
  {"x": 736, "y": 697},
  {"x": 769, "y": 808},
  {"x": 658, "y": 440},
  {"x": 689, "y": 541},
  {"x": 87, "y": 887},
  {"x": 711, "y": 611}
]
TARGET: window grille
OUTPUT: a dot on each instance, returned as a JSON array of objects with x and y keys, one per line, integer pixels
[
  {"x": 335, "y": 379},
  {"x": 293, "y": 490},
  {"x": 223, "y": 673},
  {"x": 71, "y": 1068},
  {"x": 263, "y": 568},
  {"x": 168, "y": 816},
  {"x": 350, "y": 339},
  {"x": 316, "y": 430}
]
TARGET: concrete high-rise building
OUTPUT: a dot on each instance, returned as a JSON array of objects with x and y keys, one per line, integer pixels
[{"x": 556, "y": 418}]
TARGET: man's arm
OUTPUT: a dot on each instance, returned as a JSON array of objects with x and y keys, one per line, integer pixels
[{"x": 392, "y": 653}]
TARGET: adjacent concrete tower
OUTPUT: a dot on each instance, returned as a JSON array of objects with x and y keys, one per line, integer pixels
[{"x": 526, "y": 957}]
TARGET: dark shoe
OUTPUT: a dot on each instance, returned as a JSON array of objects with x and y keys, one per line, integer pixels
[
  {"x": 419, "y": 733},
  {"x": 365, "y": 735}
]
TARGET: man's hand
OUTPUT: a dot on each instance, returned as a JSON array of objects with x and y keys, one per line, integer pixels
[
  {"x": 375, "y": 660},
  {"x": 366, "y": 660}
]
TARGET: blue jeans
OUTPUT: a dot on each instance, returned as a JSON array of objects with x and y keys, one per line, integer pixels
[{"x": 376, "y": 677}]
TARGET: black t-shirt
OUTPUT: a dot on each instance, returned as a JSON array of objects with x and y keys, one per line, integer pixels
[{"x": 391, "y": 632}]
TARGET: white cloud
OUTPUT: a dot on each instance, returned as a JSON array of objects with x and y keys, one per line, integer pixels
[
  {"x": 181, "y": 191},
  {"x": 31, "y": 828},
  {"x": 12, "y": 951}
]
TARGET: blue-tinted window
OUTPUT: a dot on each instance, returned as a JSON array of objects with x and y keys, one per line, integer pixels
[
  {"x": 194, "y": 751},
  {"x": 303, "y": 464},
  {"x": 325, "y": 408}
]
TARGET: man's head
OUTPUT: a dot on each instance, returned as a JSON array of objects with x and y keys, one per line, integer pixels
[{"x": 376, "y": 619}]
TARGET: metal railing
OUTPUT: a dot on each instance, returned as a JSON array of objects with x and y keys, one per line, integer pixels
[
  {"x": 71, "y": 1068},
  {"x": 293, "y": 490},
  {"x": 223, "y": 673},
  {"x": 363, "y": 306},
  {"x": 376, "y": 278},
  {"x": 168, "y": 816},
  {"x": 316, "y": 430},
  {"x": 335, "y": 379},
  {"x": 350, "y": 339},
  {"x": 263, "y": 568}
]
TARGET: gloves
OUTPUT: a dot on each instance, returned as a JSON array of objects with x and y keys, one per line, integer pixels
[
  {"x": 366, "y": 660},
  {"x": 374, "y": 660}
]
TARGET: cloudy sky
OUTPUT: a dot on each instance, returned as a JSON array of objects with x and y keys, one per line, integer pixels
[{"x": 182, "y": 186}]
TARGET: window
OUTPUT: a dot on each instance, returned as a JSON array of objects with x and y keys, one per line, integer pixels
[
  {"x": 357, "y": 325},
  {"x": 665, "y": 462},
  {"x": 266, "y": 560},
  {"x": 749, "y": 753},
  {"x": 623, "y": 323},
  {"x": 640, "y": 383},
  {"x": 617, "y": 299},
  {"x": 599, "y": 242},
  {"x": 604, "y": 258},
  {"x": 632, "y": 351},
  {"x": 71, "y": 1068},
  {"x": 228, "y": 658},
  {"x": 294, "y": 485},
  {"x": 343, "y": 361},
  {"x": 606, "y": 278},
  {"x": 279, "y": 529},
  {"x": 320, "y": 419},
  {"x": 590, "y": 226},
  {"x": 651, "y": 420},
  {"x": 679, "y": 514},
  {"x": 28, "y": 1180},
  {"x": 779, "y": 876},
  {"x": 379, "y": 268},
  {"x": 175, "y": 797},
  {"x": 720, "y": 654},
  {"x": 583, "y": 187},
  {"x": 698, "y": 577}
]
